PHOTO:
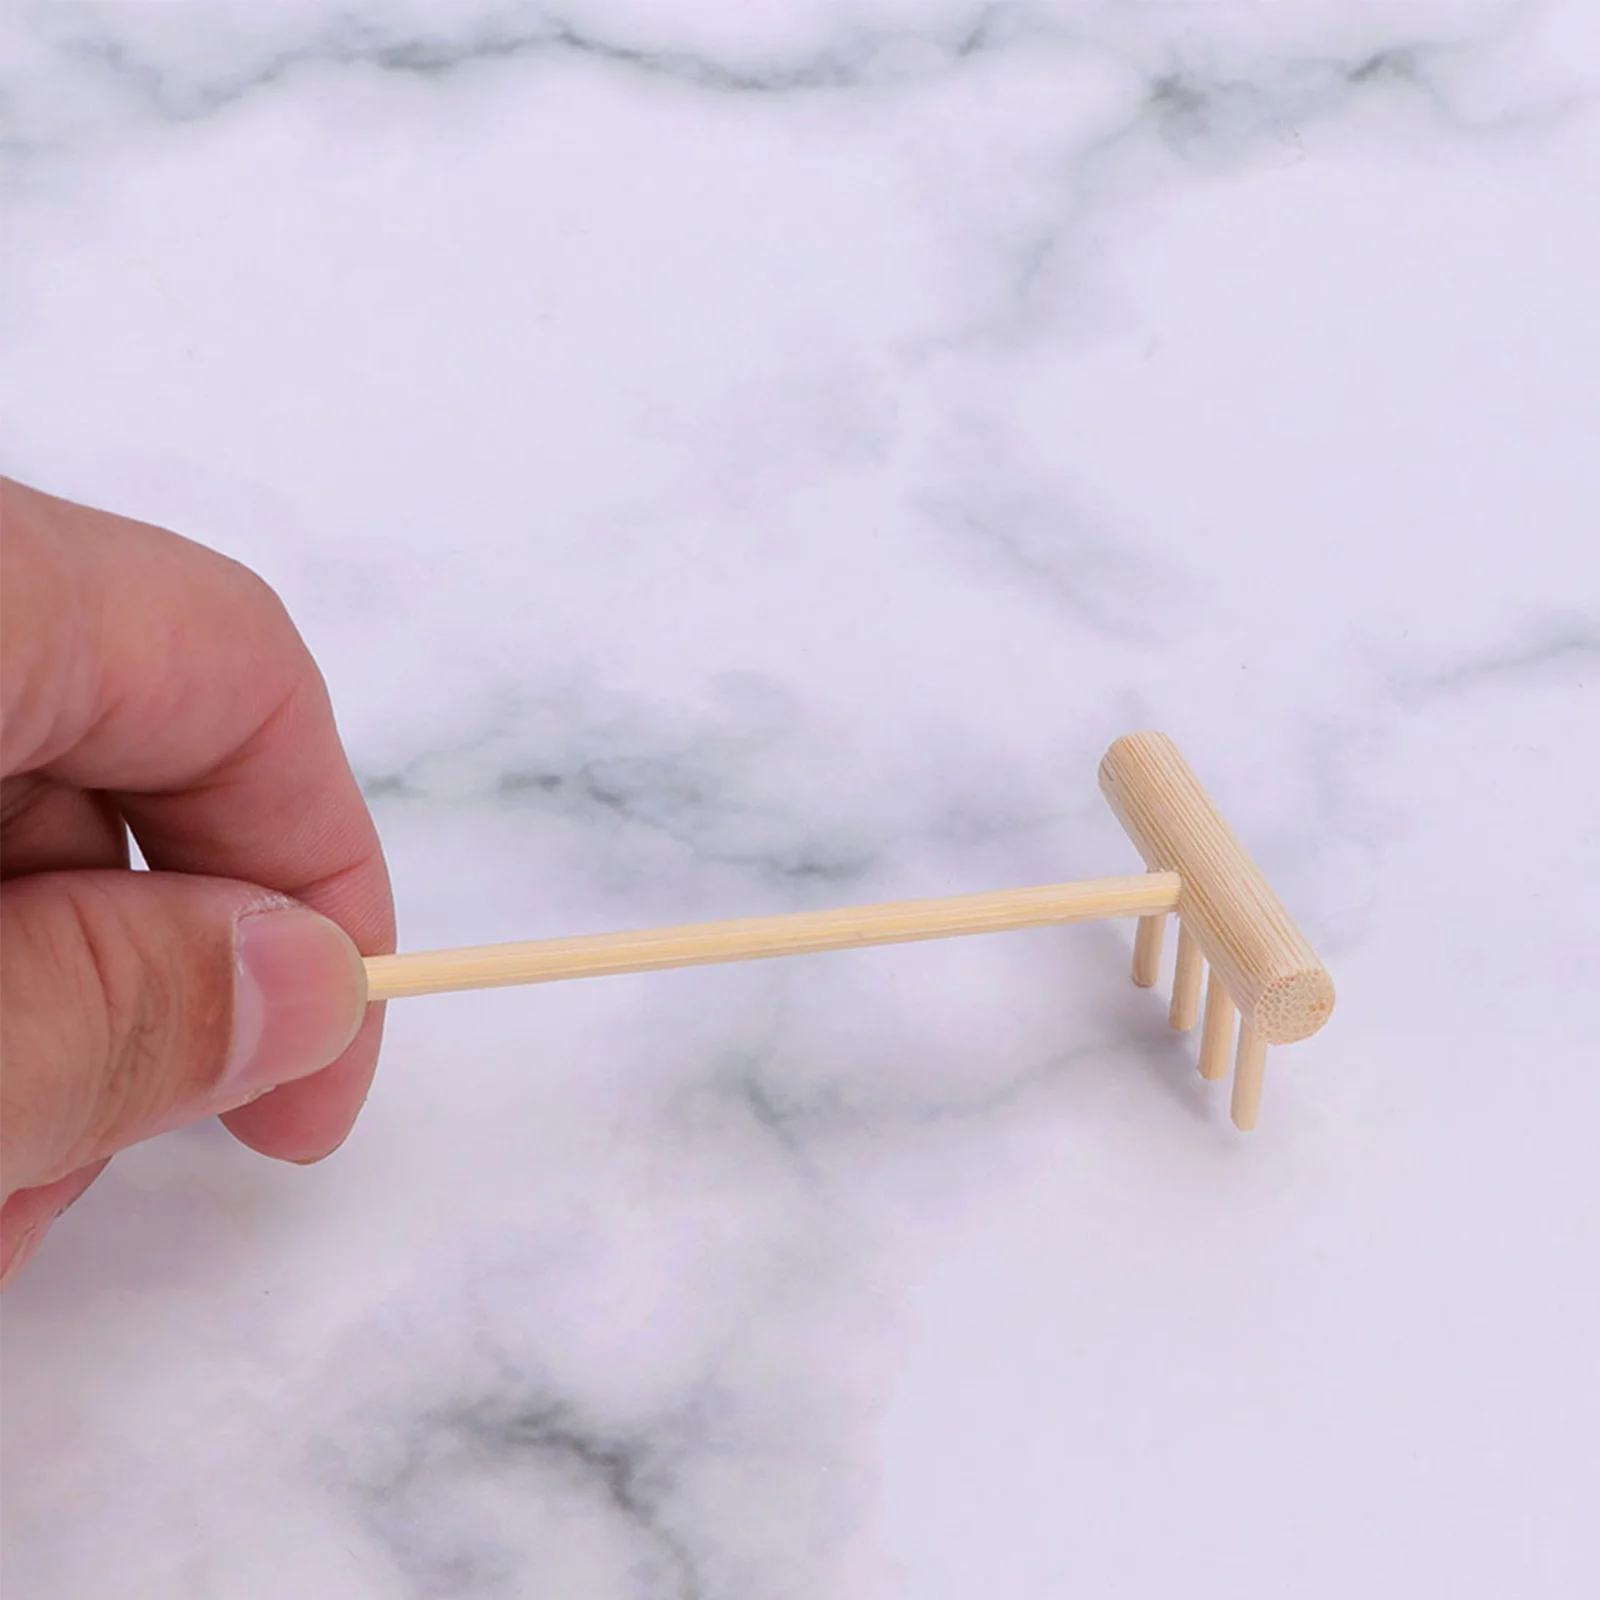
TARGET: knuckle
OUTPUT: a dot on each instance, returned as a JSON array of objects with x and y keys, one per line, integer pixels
[
  {"x": 257, "y": 598},
  {"x": 158, "y": 1012},
  {"x": 133, "y": 1012},
  {"x": 277, "y": 645}
]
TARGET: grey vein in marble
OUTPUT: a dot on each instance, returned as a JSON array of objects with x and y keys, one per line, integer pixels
[
  {"x": 433, "y": 1509},
  {"x": 1193, "y": 102},
  {"x": 629, "y": 767},
  {"x": 1565, "y": 641},
  {"x": 161, "y": 83}
]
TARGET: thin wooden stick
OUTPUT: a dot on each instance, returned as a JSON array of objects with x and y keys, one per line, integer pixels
[
  {"x": 1147, "y": 944},
  {"x": 1249, "y": 1071},
  {"x": 1190, "y": 969},
  {"x": 1217, "y": 1034},
  {"x": 752, "y": 938}
]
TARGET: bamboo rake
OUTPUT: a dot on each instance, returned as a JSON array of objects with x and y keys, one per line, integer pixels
[{"x": 1260, "y": 967}]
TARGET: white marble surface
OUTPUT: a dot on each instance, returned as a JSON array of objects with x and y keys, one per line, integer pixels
[{"x": 732, "y": 457}]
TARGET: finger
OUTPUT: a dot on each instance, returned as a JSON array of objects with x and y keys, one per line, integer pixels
[
  {"x": 47, "y": 827},
  {"x": 134, "y": 1002},
  {"x": 173, "y": 678},
  {"x": 26, "y": 1217},
  {"x": 307, "y": 1121}
]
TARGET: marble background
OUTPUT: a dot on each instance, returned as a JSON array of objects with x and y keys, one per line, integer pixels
[{"x": 739, "y": 457}]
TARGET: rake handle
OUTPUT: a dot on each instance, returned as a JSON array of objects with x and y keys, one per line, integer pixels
[{"x": 754, "y": 938}]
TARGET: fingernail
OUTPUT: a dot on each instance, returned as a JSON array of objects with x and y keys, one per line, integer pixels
[{"x": 299, "y": 995}]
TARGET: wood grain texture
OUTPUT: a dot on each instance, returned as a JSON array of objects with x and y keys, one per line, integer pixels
[
  {"x": 1216, "y": 1036},
  {"x": 1249, "y": 1073},
  {"x": 1147, "y": 943},
  {"x": 1268, "y": 968},
  {"x": 754, "y": 938},
  {"x": 1187, "y": 975}
]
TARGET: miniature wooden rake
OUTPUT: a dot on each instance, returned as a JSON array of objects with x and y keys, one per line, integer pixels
[{"x": 1262, "y": 971}]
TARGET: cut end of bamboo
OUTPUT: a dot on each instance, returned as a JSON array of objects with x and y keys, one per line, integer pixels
[{"x": 1294, "y": 1006}]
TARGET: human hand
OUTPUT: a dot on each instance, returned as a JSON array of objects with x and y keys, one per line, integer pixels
[{"x": 149, "y": 681}]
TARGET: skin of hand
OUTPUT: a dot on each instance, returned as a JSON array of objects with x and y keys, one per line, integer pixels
[{"x": 149, "y": 685}]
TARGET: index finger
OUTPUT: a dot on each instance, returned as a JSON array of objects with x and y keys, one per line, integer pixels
[{"x": 139, "y": 663}]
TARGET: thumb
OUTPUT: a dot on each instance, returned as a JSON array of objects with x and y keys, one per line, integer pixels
[{"x": 133, "y": 1002}]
